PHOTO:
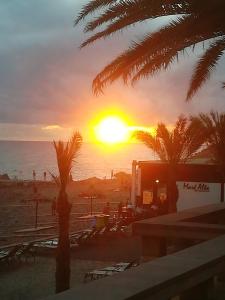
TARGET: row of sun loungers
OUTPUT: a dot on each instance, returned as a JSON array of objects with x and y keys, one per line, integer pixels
[
  {"x": 17, "y": 253},
  {"x": 95, "y": 234},
  {"x": 27, "y": 250},
  {"x": 84, "y": 237},
  {"x": 108, "y": 271},
  {"x": 48, "y": 244}
]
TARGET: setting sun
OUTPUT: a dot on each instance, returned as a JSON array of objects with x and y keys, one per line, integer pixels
[{"x": 111, "y": 130}]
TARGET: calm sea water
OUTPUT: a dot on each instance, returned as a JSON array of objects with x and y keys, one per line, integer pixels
[{"x": 19, "y": 159}]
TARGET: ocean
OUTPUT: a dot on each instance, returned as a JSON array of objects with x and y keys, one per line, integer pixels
[{"x": 19, "y": 159}]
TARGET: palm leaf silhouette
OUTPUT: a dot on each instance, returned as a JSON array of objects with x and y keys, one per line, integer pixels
[{"x": 197, "y": 21}]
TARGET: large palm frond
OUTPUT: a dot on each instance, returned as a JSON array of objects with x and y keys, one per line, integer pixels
[
  {"x": 173, "y": 147},
  {"x": 124, "y": 13},
  {"x": 176, "y": 145},
  {"x": 212, "y": 126},
  {"x": 91, "y": 7},
  {"x": 66, "y": 153},
  {"x": 200, "y": 21},
  {"x": 151, "y": 142},
  {"x": 145, "y": 58},
  {"x": 205, "y": 65}
]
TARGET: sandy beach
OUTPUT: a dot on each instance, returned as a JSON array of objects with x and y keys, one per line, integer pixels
[
  {"x": 18, "y": 205},
  {"x": 17, "y": 217}
]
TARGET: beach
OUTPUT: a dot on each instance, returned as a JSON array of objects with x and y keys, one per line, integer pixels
[
  {"x": 17, "y": 214},
  {"x": 18, "y": 205}
]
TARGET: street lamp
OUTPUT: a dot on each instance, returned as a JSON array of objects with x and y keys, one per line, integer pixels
[
  {"x": 36, "y": 206},
  {"x": 92, "y": 195},
  {"x": 36, "y": 212},
  {"x": 91, "y": 205}
]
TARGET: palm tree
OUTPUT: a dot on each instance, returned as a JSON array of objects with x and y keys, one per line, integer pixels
[
  {"x": 212, "y": 126},
  {"x": 173, "y": 147},
  {"x": 65, "y": 153},
  {"x": 193, "y": 22}
]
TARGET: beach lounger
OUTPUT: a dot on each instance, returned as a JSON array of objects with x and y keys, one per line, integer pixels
[
  {"x": 98, "y": 234},
  {"x": 101, "y": 232},
  {"x": 96, "y": 274},
  {"x": 84, "y": 237},
  {"x": 125, "y": 266},
  {"x": 120, "y": 267},
  {"x": 10, "y": 255},
  {"x": 109, "y": 226},
  {"x": 120, "y": 229},
  {"x": 108, "y": 271},
  {"x": 94, "y": 235},
  {"x": 76, "y": 235},
  {"x": 27, "y": 250},
  {"x": 49, "y": 244},
  {"x": 115, "y": 229},
  {"x": 73, "y": 242}
]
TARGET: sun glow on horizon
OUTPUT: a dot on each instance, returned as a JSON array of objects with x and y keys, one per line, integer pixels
[{"x": 112, "y": 130}]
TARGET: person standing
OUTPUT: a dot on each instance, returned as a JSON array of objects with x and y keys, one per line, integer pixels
[
  {"x": 34, "y": 175},
  {"x": 93, "y": 222},
  {"x": 35, "y": 191},
  {"x": 106, "y": 209},
  {"x": 120, "y": 210},
  {"x": 130, "y": 210},
  {"x": 45, "y": 176}
]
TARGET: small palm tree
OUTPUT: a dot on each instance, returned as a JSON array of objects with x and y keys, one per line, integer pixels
[
  {"x": 196, "y": 21},
  {"x": 212, "y": 126},
  {"x": 173, "y": 147},
  {"x": 65, "y": 153}
]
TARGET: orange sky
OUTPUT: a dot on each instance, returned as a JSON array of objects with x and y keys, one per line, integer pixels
[{"x": 45, "y": 80}]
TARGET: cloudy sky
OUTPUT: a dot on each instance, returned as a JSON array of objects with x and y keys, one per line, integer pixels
[{"x": 45, "y": 80}]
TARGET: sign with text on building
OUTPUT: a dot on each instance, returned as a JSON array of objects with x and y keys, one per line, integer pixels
[
  {"x": 196, "y": 187},
  {"x": 147, "y": 197}
]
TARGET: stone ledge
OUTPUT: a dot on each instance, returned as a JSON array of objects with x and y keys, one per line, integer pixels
[{"x": 162, "y": 278}]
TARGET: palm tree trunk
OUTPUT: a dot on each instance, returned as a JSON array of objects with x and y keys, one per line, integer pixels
[
  {"x": 222, "y": 187},
  {"x": 62, "y": 274},
  {"x": 222, "y": 192},
  {"x": 172, "y": 191}
]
